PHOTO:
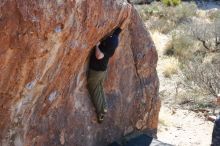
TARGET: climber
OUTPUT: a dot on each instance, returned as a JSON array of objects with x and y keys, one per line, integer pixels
[
  {"x": 98, "y": 65},
  {"x": 216, "y": 129}
]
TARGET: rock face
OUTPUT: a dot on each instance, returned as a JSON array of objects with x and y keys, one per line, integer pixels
[{"x": 44, "y": 51}]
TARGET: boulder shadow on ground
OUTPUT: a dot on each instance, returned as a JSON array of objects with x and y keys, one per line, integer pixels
[{"x": 139, "y": 139}]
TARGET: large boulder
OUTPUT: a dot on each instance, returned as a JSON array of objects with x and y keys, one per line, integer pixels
[{"x": 44, "y": 51}]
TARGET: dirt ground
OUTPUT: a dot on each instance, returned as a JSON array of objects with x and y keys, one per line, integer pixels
[
  {"x": 184, "y": 128},
  {"x": 178, "y": 126}
]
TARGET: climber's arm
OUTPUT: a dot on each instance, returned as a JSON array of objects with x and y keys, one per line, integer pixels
[{"x": 99, "y": 55}]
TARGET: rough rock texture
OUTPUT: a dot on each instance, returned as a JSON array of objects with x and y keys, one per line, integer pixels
[{"x": 44, "y": 51}]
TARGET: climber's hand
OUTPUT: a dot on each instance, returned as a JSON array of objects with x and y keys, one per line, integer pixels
[
  {"x": 98, "y": 43},
  {"x": 99, "y": 55}
]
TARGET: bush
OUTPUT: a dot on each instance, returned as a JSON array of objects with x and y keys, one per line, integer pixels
[
  {"x": 171, "y": 67},
  {"x": 162, "y": 25},
  {"x": 176, "y": 2},
  {"x": 169, "y": 71},
  {"x": 202, "y": 76},
  {"x": 171, "y": 2},
  {"x": 166, "y": 19},
  {"x": 169, "y": 50},
  {"x": 181, "y": 46},
  {"x": 147, "y": 11}
]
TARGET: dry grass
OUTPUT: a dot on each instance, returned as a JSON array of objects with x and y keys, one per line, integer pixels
[{"x": 171, "y": 67}]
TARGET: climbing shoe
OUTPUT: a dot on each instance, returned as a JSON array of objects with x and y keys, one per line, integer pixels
[
  {"x": 100, "y": 117},
  {"x": 105, "y": 110}
]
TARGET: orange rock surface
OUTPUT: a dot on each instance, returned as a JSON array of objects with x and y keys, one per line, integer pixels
[{"x": 44, "y": 51}]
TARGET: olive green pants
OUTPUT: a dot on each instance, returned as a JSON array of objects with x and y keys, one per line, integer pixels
[{"x": 95, "y": 86}]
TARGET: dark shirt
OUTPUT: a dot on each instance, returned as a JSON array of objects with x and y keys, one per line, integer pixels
[
  {"x": 107, "y": 47},
  {"x": 216, "y": 133}
]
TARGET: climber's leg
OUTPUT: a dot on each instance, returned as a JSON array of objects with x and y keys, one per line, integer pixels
[
  {"x": 104, "y": 104},
  {"x": 95, "y": 87}
]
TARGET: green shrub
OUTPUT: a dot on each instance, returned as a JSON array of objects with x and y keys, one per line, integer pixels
[
  {"x": 167, "y": 2},
  {"x": 176, "y": 2},
  {"x": 181, "y": 46},
  {"x": 171, "y": 2}
]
